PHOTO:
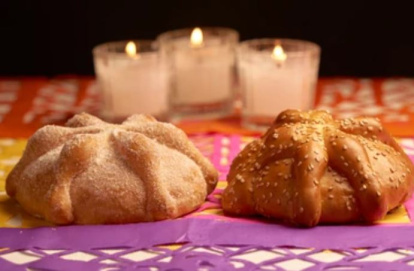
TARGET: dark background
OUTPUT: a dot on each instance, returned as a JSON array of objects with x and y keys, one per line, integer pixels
[{"x": 358, "y": 38}]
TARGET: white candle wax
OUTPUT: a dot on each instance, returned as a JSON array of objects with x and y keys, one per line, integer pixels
[
  {"x": 276, "y": 75},
  {"x": 133, "y": 85},
  {"x": 202, "y": 71},
  {"x": 203, "y": 75},
  {"x": 271, "y": 88}
]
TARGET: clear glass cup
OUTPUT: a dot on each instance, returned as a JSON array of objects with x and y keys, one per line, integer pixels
[
  {"x": 202, "y": 63},
  {"x": 276, "y": 74},
  {"x": 133, "y": 78}
]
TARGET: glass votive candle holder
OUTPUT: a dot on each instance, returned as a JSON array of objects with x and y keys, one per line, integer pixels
[
  {"x": 276, "y": 74},
  {"x": 202, "y": 62},
  {"x": 133, "y": 78}
]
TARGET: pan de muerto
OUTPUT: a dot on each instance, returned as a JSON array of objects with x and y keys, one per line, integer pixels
[
  {"x": 93, "y": 172},
  {"x": 309, "y": 169}
]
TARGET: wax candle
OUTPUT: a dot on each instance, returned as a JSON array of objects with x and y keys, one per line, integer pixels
[
  {"x": 202, "y": 62},
  {"x": 276, "y": 74},
  {"x": 133, "y": 78}
]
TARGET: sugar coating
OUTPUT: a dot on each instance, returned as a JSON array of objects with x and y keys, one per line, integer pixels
[{"x": 93, "y": 172}]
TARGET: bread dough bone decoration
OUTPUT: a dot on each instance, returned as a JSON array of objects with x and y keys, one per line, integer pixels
[
  {"x": 93, "y": 172},
  {"x": 309, "y": 168}
]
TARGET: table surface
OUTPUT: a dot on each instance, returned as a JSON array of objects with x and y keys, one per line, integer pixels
[{"x": 29, "y": 103}]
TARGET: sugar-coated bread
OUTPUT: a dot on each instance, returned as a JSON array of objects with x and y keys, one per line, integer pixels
[
  {"x": 309, "y": 169},
  {"x": 93, "y": 172}
]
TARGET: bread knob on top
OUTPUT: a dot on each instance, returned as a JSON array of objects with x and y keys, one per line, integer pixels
[
  {"x": 93, "y": 172},
  {"x": 309, "y": 168}
]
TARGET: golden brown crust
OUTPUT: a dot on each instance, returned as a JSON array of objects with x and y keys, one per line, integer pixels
[
  {"x": 92, "y": 172},
  {"x": 309, "y": 169}
]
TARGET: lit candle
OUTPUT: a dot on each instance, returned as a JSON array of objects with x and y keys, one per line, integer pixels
[
  {"x": 133, "y": 79},
  {"x": 196, "y": 38},
  {"x": 202, "y": 62},
  {"x": 276, "y": 75},
  {"x": 278, "y": 54}
]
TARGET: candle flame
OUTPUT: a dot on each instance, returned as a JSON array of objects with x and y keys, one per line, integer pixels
[
  {"x": 196, "y": 37},
  {"x": 279, "y": 54},
  {"x": 131, "y": 49}
]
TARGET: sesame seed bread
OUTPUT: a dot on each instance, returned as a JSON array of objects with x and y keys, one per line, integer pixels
[
  {"x": 309, "y": 169},
  {"x": 93, "y": 172}
]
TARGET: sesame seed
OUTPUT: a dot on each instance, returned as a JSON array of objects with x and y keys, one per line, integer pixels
[
  {"x": 342, "y": 158},
  {"x": 330, "y": 196},
  {"x": 345, "y": 147},
  {"x": 346, "y": 164},
  {"x": 301, "y": 210},
  {"x": 275, "y": 136},
  {"x": 378, "y": 193},
  {"x": 306, "y": 156},
  {"x": 239, "y": 178}
]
